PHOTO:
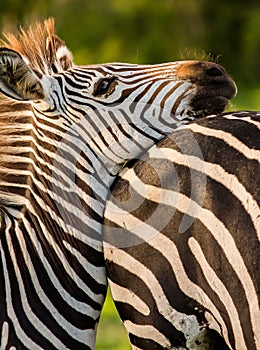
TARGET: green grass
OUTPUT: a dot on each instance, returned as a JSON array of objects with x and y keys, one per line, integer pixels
[{"x": 111, "y": 333}]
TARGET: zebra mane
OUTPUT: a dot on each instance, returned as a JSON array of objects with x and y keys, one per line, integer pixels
[
  {"x": 45, "y": 53},
  {"x": 42, "y": 50}
]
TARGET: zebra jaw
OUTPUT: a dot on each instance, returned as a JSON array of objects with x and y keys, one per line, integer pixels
[
  {"x": 209, "y": 105},
  {"x": 208, "y": 101}
]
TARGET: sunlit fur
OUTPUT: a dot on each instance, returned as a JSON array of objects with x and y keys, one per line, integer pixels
[
  {"x": 62, "y": 141},
  {"x": 39, "y": 46}
]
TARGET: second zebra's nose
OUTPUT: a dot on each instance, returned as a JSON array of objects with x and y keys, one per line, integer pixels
[
  {"x": 213, "y": 71},
  {"x": 208, "y": 75}
]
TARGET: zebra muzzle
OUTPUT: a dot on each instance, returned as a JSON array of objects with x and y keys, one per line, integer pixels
[{"x": 215, "y": 87}]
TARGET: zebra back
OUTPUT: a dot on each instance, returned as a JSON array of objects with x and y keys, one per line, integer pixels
[{"x": 182, "y": 229}]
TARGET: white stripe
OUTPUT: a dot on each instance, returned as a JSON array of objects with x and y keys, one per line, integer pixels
[
  {"x": 247, "y": 119},
  {"x": 220, "y": 289},
  {"x": 4, "y": 335},
  {"x": 65, "y": 208},
  {"x": 170, "y": 251},
  {"x": 66, "y": 227},
  {"x": 74, "y": 303},
  {"x": 59, "y": 253},
  {"x": 10, "y": 310},
  {"x": 121, "y": 294},
  {"x": 147, "y": 332},
  {"x": 216, "y": 227},
  {"x": 98, "y": 273},
  {"x": 217, "y": 173},
  {"x": 220, "y": 233},
  {"x": 231, "y": 140},
  {"x": 83, "y": 336}
]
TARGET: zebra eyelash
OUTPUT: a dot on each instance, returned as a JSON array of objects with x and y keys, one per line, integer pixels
[{"x": 105, "y": 86}]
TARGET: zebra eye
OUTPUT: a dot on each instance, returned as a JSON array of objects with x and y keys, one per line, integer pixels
[{"x": 104, "y": 86}]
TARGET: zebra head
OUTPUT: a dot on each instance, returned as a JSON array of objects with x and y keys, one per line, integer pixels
[{"x": 123, "y": 107}]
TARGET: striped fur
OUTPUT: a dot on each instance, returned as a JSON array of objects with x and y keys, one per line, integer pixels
[
  {"x": 182, "y": 232},
  {"x": 65, "y": 131}
]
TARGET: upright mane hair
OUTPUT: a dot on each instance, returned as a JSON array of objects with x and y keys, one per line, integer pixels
[{"x": 40, "y": 47}]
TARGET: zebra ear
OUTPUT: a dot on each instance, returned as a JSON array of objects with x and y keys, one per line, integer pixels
[
  {"x": 17, "y": 80},
  {"x": 58, "y": 50}
]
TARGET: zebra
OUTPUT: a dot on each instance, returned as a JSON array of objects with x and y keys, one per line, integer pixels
[
  {"x": 65, "y": 131},
  {"x": 182, "y": 229}
]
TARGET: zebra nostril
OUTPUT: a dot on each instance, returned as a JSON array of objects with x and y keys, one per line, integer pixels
[{"x": 214, "y": 71}]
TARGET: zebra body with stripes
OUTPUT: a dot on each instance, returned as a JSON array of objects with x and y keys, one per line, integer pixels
[
  {"x": 65, "y": 130},
  {"x": 182, "y": 238}
]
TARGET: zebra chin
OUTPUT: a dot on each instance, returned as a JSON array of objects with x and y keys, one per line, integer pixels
[
  {"x": 209, "y": 105},
  {"x": 213, "y": 97}
]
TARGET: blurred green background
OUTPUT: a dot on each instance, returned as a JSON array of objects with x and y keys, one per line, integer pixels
[{"x": 146, "y": 31}]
